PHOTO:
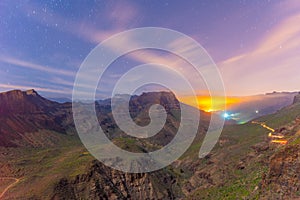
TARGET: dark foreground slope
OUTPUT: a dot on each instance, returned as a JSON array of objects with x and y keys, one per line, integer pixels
[{"x": 101, "y": 182}]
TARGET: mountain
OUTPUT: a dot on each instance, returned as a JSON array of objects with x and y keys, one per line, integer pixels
[
  {"x": 39, "y": 146},
  {"x": 24, "y": 113},
  {"x": 40, "y": 149},
  {"x": 23, "y": 102}
]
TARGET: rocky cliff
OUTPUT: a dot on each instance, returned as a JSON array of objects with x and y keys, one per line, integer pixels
[
  {"x": 23, "y": 112},
  {"x": 282, "y": 181},
  {"x": 102, "y": 182},
  {"x": 283, "y": 178}
]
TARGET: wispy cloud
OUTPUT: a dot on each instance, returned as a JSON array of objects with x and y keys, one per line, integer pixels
[
  {"x": 123, "y": 13},
  {"x": 250, "y": 72},
  {"x": 271, "y": 65},
  {"x": 34, "y": 66},
  {"x": 120, "y": 16},
  {"x": 166, "y": 60},
  {"x": 40, "y": 89}
]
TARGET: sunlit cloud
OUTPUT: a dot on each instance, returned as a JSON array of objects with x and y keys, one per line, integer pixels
[{"x": 269, "y": 66}]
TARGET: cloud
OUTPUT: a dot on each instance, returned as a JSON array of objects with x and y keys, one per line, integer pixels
[
  {"x": 180, "y": 46},
  {"x": 40, "y": 89},
  {"x": 64, "y": 92},
  {"x": 123, "y": 13},
  {"x": 60, "y": 81},
  {"x": 121, "y": 16},
  {"x": 116, "y": 17},
  {"x": 271, "y": 65},
  {"x": 34, "y": 66}
]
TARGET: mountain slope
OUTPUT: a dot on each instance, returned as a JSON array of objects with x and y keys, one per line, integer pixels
[
  {"x": 28, "y": 112},
  {"x": 246, "y": 164},
  {"x": 282, "y": 181}
]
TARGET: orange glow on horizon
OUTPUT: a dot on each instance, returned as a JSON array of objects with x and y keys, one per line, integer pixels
[{"x": 210, "y": 104}]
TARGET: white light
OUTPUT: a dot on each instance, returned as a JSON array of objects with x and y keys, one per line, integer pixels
[
  {"x": 256, "y": 111},
  {"x": 225, "y": 115}
]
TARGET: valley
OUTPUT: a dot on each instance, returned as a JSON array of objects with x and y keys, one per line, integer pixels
[{"x": 51, "y": 163}]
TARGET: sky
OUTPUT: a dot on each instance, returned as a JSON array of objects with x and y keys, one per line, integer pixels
[{"x": 255, "y": 44}]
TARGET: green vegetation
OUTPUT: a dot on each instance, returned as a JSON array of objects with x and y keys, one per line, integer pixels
[
  {"x": 283, "y": 116},
  {"x": 44, "y": 166},
  {"x": 236, "y": 146},
  {"x": 243, "y": 188}
]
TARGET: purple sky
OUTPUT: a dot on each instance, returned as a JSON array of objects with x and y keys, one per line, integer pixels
[{"x": 255, "y": 44}]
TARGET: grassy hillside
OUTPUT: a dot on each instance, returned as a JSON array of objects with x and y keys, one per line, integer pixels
[
  {"x": 238, "y": 164},
  {"x": 41, "y": 167}
]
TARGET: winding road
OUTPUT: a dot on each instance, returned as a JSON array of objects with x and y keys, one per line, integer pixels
[
  {"x": 9, "y": 186},
  {"x": 275, "y": 138}
]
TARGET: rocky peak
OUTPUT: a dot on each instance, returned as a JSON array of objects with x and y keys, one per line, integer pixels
[
  {"x": 31, "y": 92},
  {"x": 166, "y": 99},
  {"x": 17, "y": 101},
  {"x": 17, "y": 94},
  {"x": 11, "y": 94}
]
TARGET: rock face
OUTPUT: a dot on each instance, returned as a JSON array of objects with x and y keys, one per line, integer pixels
[
  {"x": 283, "y": 178},
  {"x": 296, "y": 99},
  {"x": 139, "y": 111},
  {"x": 27, "y": 112},
  {"x": 166, "y": 99},
  {"x": 102, "y": 182},
  {"x": 19, "y": 102},
  {"x": 282, "y": 181}
]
